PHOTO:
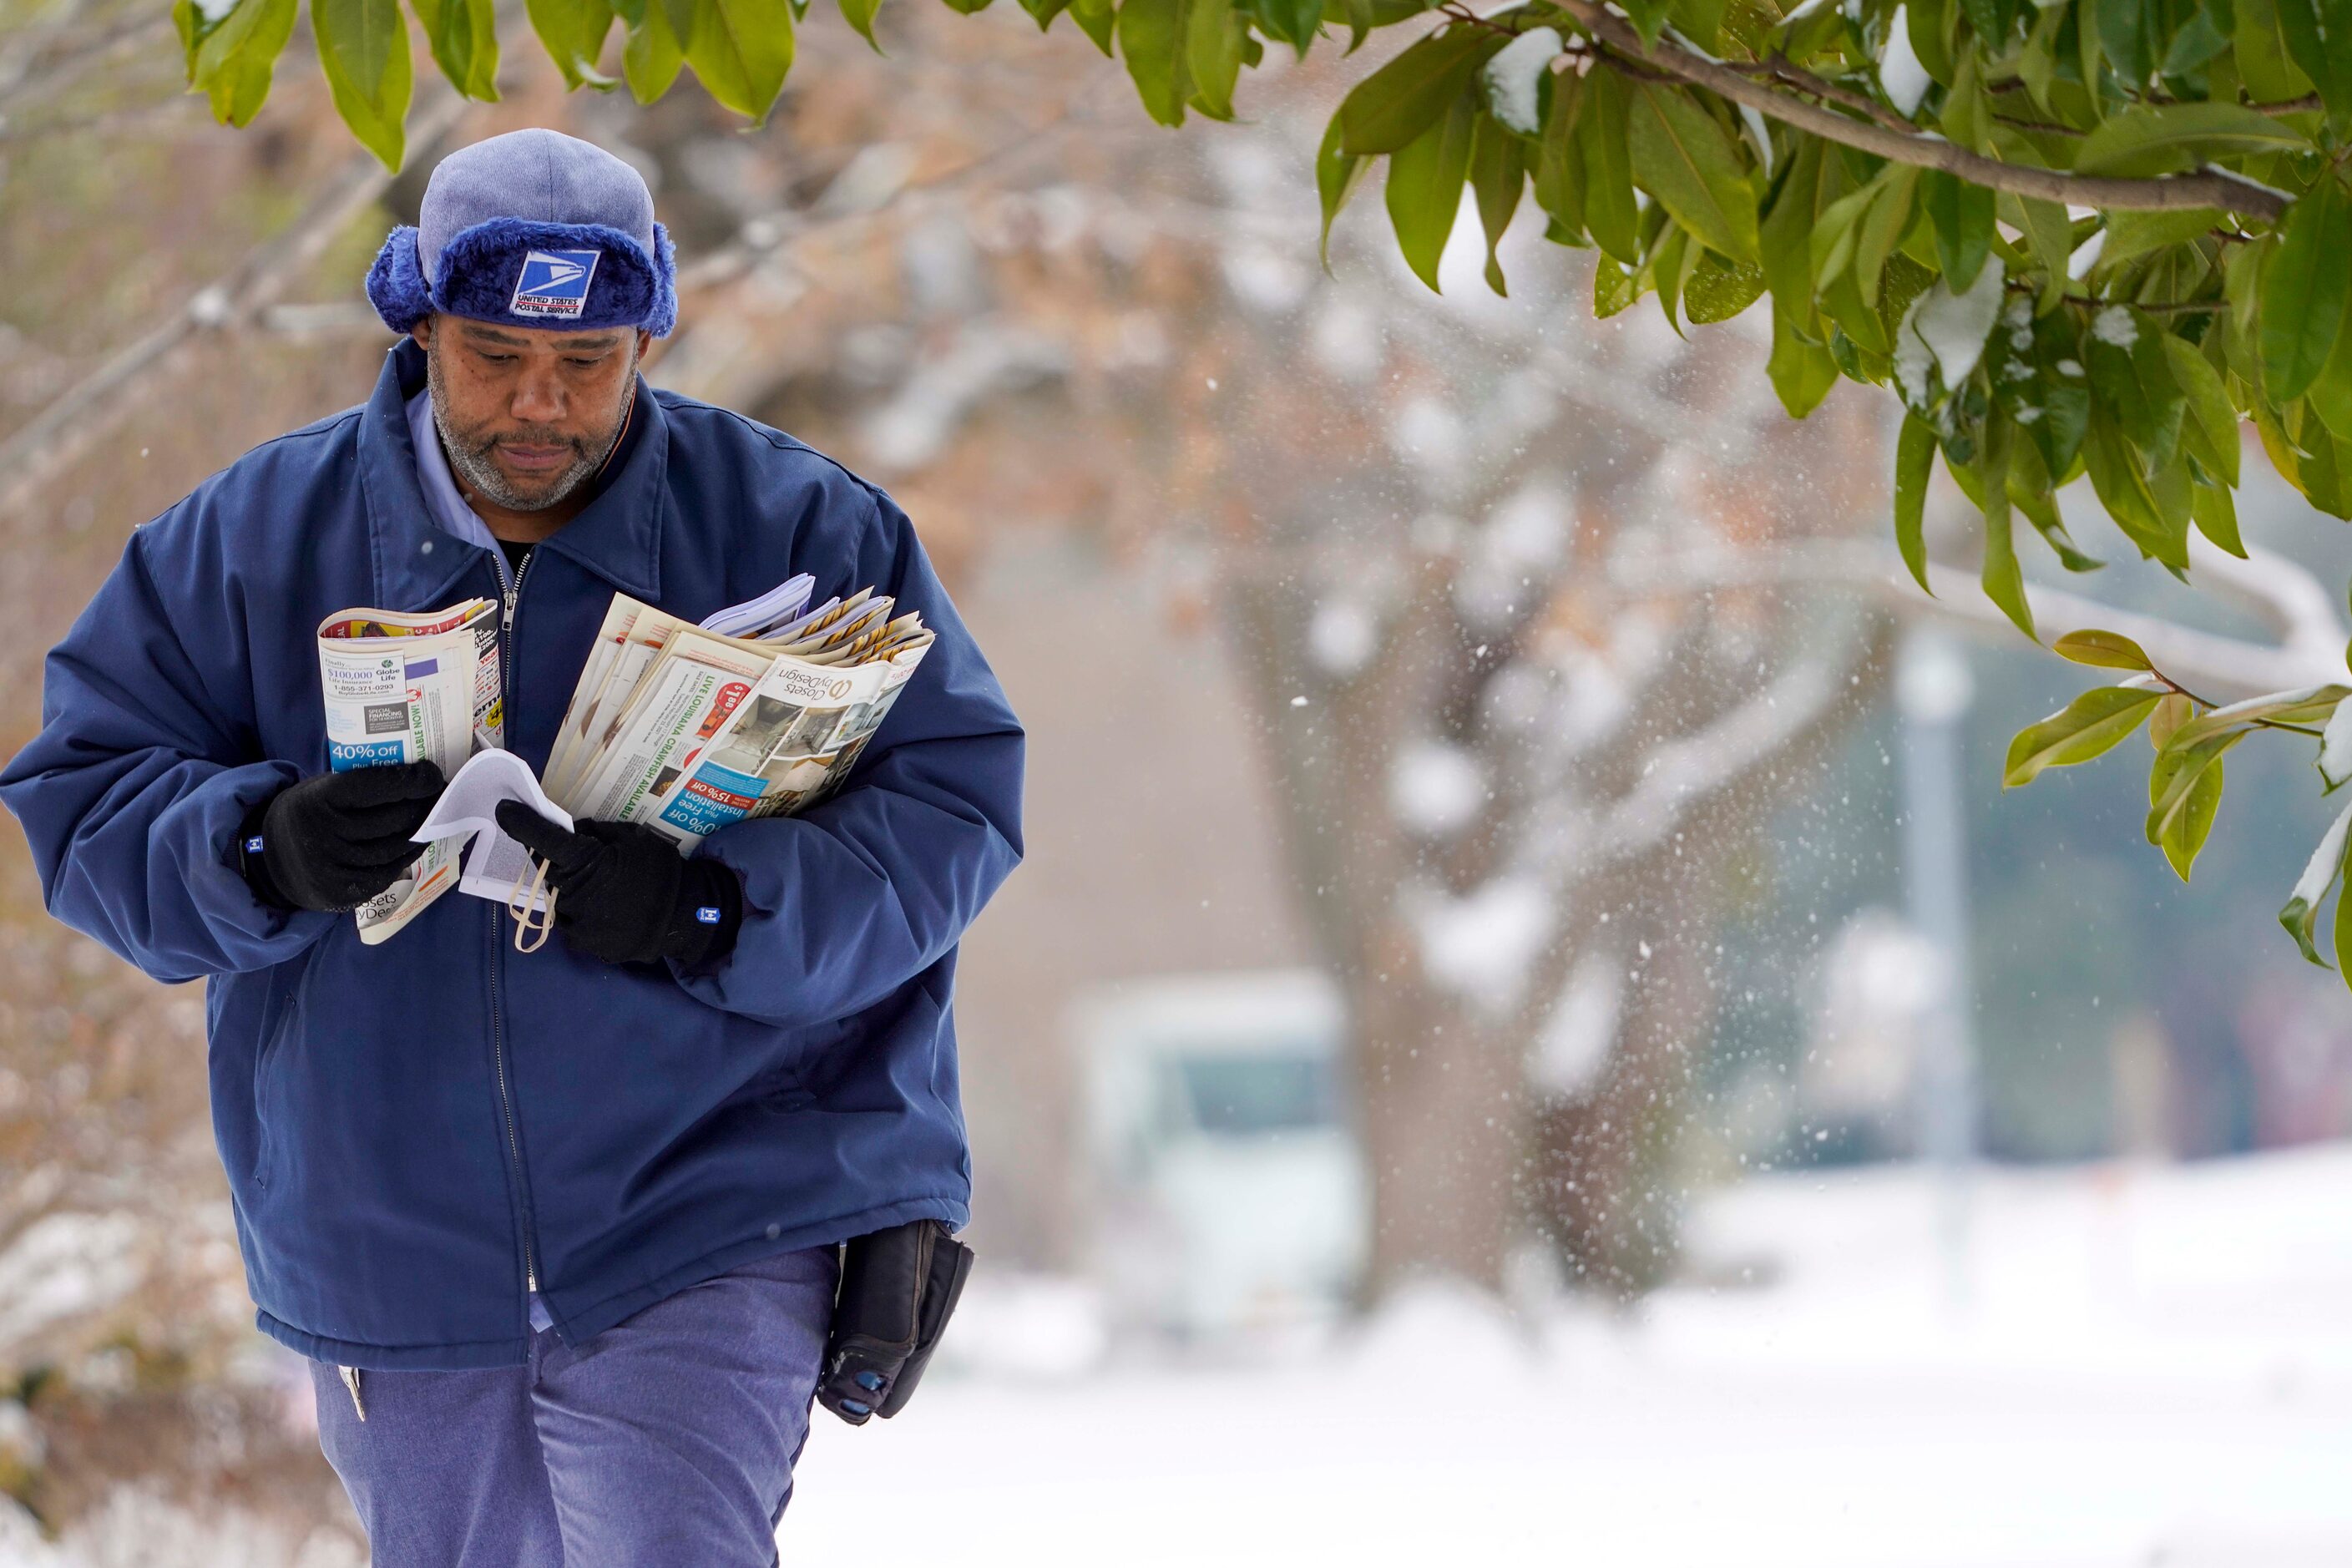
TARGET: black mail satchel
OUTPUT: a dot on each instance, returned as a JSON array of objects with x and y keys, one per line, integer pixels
[{"x": 898, "y": 1287}]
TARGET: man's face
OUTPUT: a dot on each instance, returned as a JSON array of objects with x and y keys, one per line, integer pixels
[{"x": 527, "y": 414}]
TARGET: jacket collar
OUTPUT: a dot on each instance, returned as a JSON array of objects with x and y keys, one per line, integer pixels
[{"x": 417, "y": 565}]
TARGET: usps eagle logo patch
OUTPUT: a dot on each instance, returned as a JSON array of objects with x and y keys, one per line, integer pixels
[{"x": 554, "y": 283}]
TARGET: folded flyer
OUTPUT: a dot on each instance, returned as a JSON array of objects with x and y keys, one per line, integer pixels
[{"x": 409, "y": 688}]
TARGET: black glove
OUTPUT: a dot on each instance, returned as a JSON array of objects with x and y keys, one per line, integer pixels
[
  {"x": 337, "y": 840},
  {"x": 625, "y": 894}
]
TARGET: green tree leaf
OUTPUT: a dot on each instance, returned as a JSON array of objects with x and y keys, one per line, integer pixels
[
  {"x": 1682, "y": 156},
  {"x": 1671, "y": 261},
  {"x": 1648, "y": 17},
  {"x": 2210, "y": 416},
  {"x": 1803, "y": 371},
  {"x": 1927, "y": 28},
  {"x": 1397, "y": 103},
  {"x": 1498, "y": 174},
  {"x": 2343, "y": 938},
  {"x": 2173, "y": 788},
  {"x": 1613, "y": 288},
  {"x": 2123, "y": 490},
  {"x": 2303, "y": 290},
  {"x": 2186, "y": 829},
  {"x": 2003, "y": 579},
  {"x": 2131, "y": 373},
  {"x": 1963, "y": 215},
  {"x": 2319, "y": 874},
  {"x": 2320, "y": 44},
  {"x": 860, "y": 14},
  {"x": 1099, "y": 20},
  {"x": 1336, "y": 171},
  {"x": 1785, "y": 235},
  {"x": 652, "y": 58},
  {"x": 1719, "y": 289},
  {"x": 2038, "y": 378},
  {"x": 1915, "y": 459},
  {"x": 2029, "y": 492},
  {"x": 464, "y": 37},
  {"x": 1214, "y": 35},
  {"x": 1292, "y": 22},
  {"x": 740, "y": 50},
  {"x": 2216, "y": 514},
  {"x": 232, "y": 60},
  {"x": 1424, "y": 192},
  {"x": 2166, "y": 138},
  {"x": 2334, "y": 759},
  {"x": 2105, "y": 650},
  {"x": 1560, "y": 157},
  {"x": 1881, "y": 228},
  {"x": 2271, "y": 77},
  {"x": 363, "y": 49},
  {"x": 2132, "y": 234},
  {"x": 573, "y": 32},
  {"x": 2175, "y": 710},
  {"x": 2129, "y": 35},
  {"x": 1831, "y": 244},
  {"x": 1609, "y": 208},
  {"x": 2050, "y": 237},
  {"x": 1152, "y": 36},
  {"x": 1966, "y": 118},
  {"x": 2091, "y": 725}
]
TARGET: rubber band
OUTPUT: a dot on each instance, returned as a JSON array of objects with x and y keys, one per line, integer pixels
[{"x": 531, "y": 917}]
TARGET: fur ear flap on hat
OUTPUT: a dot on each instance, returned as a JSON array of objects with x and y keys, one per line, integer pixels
[
  {"x": 396, "y": 283},
  {"x": 479, "y": 270}
]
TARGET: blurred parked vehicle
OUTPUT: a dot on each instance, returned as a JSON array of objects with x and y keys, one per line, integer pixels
[{"x": 1231, "y": 1181}]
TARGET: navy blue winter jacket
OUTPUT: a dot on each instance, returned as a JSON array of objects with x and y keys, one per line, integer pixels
[{"x": 417, "y": 1131}]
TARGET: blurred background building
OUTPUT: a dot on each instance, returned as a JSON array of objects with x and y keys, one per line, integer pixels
[{"x": 1474, "y": 942}]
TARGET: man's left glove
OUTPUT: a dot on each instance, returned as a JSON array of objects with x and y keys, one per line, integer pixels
[{"x": 625, "y": 895}]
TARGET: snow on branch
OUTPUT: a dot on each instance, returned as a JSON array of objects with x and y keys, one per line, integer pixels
[
  {"x": 2310, "y": 652},
  {"x": 1689, "y": 770},
  {"x": 2285, "y": 593}
]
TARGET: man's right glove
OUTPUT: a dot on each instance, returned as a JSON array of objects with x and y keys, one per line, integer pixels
[
  {"x": 336, "y": 840},
  {"x": 623, "y": 894}
]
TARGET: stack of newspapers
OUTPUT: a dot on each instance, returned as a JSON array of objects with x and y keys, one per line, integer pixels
[{"x": 760, "y": 710}]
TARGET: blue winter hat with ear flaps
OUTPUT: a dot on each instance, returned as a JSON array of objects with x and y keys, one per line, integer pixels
[{"x": 534, "y": 229}]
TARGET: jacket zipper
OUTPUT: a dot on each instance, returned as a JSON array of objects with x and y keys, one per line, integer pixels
[{"x": 513, "y": 587}]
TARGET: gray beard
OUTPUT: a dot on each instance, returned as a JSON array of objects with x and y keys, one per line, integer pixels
[{"x": 481, "y": 476}]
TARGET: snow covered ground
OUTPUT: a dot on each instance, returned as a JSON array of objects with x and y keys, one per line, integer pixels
[{"x": 2148, "y": 1366}]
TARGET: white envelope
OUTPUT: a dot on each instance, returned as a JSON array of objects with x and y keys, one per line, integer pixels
[{"x": 498, "y": 867}]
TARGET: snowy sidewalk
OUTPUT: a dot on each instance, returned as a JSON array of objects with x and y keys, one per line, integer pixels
[{"x": 2153, "y": 1367}]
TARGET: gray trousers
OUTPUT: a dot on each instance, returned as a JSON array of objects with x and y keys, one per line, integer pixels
[{"x": 668, "y": 1440}]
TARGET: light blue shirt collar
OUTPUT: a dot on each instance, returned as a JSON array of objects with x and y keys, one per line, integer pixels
[{"x": 441, "y": 497}]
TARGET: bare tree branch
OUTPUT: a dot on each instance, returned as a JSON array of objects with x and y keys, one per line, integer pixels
[
  {"x": 58, "y": 437},
  {"x": 46, "y": 62}
]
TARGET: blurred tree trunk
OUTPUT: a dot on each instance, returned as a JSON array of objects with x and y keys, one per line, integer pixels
[{"x": 1440, "y": 1100}]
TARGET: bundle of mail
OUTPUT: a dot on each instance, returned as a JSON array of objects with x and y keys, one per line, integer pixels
[{"x": 760, "y": 710}]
